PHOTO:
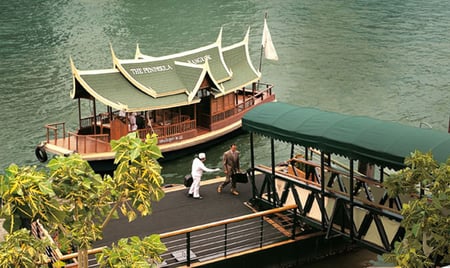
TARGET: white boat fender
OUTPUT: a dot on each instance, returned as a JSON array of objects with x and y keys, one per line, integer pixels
[{"x": 41, "y": 154}]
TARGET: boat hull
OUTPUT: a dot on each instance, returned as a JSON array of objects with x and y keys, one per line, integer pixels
[
  {"x": 103, "y": 163},
  {"x": 106, "y": 166}
]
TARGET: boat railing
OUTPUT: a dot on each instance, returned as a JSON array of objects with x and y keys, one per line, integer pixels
[
  {"x": 257, "y": 95},
  {"x": 168, "y": 129},
  {"x": 88, "y": 143},
  {"x": 263, "y": 87},
  {"x": 226, "y": 238},
  {"x": 87, "y": 122},
  {"x": 55, "y": 131}
]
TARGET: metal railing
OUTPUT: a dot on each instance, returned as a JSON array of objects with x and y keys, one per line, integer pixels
[{"x": 220, "y": 239}]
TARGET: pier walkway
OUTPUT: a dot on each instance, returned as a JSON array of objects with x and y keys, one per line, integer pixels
[{"x": 177, "y": 211}]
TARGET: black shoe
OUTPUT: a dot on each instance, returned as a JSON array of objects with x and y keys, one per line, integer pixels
[
  {"x": 199, "y": 198},
  {"x": 190, "y": 195}
]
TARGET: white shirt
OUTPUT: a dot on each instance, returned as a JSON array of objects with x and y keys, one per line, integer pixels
[{"x": 198, "y": 167}]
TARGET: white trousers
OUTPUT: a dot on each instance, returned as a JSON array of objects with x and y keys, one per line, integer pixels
[{"x": 195, "y": 186}]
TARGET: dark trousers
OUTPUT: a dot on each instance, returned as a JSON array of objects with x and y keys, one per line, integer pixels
[{"x": 227, "y": 181}]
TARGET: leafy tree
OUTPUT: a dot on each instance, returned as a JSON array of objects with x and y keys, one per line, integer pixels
[
  {"x": 21, "y": 249},
  {"x": 426, "y": 218},
  {"x": 75, "y": 202}
]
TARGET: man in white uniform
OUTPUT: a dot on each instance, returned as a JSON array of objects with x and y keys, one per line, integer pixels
[{"x": 197, "y": 171}]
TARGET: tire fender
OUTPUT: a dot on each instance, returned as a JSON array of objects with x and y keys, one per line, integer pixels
[{"x": 41, "y": 154}]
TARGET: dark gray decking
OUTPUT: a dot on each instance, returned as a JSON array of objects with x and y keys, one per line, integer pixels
[{"x": 177, "y": 211}]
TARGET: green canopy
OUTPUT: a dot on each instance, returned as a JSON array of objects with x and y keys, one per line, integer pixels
[
  {"x": 151, "y": 83},
  {"x": 358, "y": 137}
]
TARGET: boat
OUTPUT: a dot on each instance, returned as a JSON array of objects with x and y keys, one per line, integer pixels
[{"x": 187, "y": 99}]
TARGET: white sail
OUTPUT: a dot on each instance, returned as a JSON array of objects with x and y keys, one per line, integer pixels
[{"x": 269, "y": 49}]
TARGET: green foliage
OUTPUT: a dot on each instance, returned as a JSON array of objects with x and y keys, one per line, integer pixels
[
  {"x": 21, "y": 249},
  {"x": 426, "y": 219},
  {"x": 75, "y": 203},
  {"x": 133, "y": 252},
  {"x": 83, "y": 196},
  {"x": 137, "y": 178},
  {"x": 27, "y": 195}
]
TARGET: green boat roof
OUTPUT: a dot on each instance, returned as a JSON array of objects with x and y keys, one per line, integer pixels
[
  {"x": 151, "y": 83},
  {"x": 357, "y": 137}
]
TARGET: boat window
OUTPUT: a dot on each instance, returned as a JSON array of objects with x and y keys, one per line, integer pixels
[{"x": 203, "y": 93}]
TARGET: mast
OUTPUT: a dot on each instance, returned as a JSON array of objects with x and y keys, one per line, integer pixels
[{"x": 262, "y": 48}]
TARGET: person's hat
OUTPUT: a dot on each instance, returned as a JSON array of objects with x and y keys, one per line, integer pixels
[{"x": 202, "y": 155}]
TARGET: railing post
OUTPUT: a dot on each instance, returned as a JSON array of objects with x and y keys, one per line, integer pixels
[
  {"x": 351, "y": 200},
  {"x": 322, "y": 189},
  {"x": 188, "y": 249},
  {"x": 225, "y": 241},
  {"x": 294, "y": 224},
  {"x": 261, "y": 232}
]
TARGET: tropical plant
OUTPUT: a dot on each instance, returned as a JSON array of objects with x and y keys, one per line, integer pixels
[
  {"x": 27, "y": 195},
  {"x": 74, "y": 202},
  {"x": 21, "y": 249},
  {"x": 85, "y": 199},
  {"x": 426, "y": 219},
  {"x": 133, "y": 252}
]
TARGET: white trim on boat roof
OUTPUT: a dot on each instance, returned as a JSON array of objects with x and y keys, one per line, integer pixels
[
  {"x": 101, "y": 71},
  {"x": 245, "y": 43},
  {"x": 144, "y": 57}
]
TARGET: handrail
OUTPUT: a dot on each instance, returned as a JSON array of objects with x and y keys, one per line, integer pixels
[
  {"x": 227, "y": 221},
  {"x": 341, "y": 172},
  {"x": 231, "y": 237},
  {"x": 55, "y": 127},
  {"x": 75, "y": 255},
  {"x": 96, "y": 138},
  {"x": 241, "y": 107}
]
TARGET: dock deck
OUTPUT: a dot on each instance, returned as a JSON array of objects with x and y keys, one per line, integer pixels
[
  {"x": 210, "y": 230},
  {"x": 177, "y": 211}
]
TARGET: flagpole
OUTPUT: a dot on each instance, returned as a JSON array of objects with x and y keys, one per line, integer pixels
[{"x": 262, "y": 48}]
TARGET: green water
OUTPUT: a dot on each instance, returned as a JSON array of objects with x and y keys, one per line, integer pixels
[{"x": 386, "y": 59}]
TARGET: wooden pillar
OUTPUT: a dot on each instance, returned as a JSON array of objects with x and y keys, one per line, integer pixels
[
  {"x": 79, "y": 113},
  {"x": 95, "y": 117},
  {"x": 322, "y": 188}
]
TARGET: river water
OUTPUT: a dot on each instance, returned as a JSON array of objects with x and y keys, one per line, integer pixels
[{"x": 388, "y": 59}]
